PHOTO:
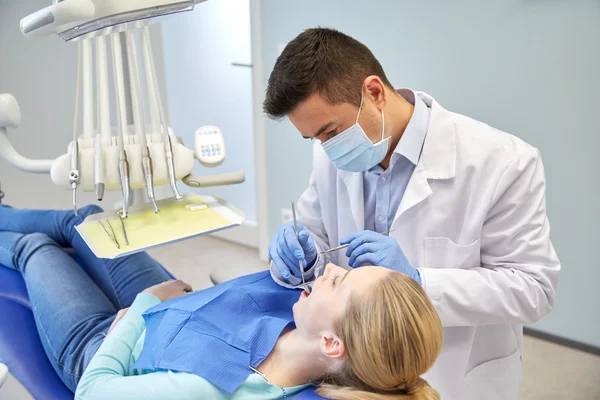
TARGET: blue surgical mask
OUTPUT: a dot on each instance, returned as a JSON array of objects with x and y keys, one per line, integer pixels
[{"x": 353, "y": 151}]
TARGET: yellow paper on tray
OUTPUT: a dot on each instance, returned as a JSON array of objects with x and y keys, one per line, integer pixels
[{"x": 146, "y": 230}]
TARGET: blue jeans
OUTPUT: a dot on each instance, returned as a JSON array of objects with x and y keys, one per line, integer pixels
[{"x": 73, "y": 306}]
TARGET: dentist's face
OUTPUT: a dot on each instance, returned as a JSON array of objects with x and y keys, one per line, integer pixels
[{"x": 316, "y": 118}]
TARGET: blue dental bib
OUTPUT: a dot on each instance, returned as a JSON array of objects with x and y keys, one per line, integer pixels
[{"x": 218, "y": 333}]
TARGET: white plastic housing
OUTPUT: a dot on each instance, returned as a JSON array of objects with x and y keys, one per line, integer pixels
[
  {"x": 183, "y": 158},
  {"x": 10, "y": 113}
]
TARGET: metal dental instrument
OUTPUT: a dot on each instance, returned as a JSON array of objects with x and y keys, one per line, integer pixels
[
  {"x": 123, "y": 228},
  {"x": 110, "y": 234},
  {"x": 103, "y": 113},
  {"x": 306, "y": 287},
  {"x": 99, "y": 168},
  {"x": 74, "y": 171},
  {"x": 121, "y": 122},
  {"x": 149, "y": 60},
  {"x": 139, "y": 118},
  {"x": 346, "y": 245}
]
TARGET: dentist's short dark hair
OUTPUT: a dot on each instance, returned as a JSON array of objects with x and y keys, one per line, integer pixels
[{"x": 323, "y": 61}]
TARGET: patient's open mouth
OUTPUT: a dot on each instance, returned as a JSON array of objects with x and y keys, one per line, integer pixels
[{"x": 304, "y": 294}]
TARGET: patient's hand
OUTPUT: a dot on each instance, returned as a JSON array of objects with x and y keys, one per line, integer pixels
[
  {"x": 169, "y": 290},
  {"x": 120, "y": 315}
]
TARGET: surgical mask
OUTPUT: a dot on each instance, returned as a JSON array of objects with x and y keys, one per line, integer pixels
[{"x": 353, "y": 151}]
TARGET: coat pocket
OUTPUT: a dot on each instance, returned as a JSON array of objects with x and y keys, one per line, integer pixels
[
  {"x": 441, "y": 252},
  {"x": 494, "y": 380}
]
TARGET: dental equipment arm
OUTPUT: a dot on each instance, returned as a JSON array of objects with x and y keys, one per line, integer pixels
[
  {"x": 96, "y": 159},
  {"x": 214, "y": 180},
  {"x": 10, "y": 117}
]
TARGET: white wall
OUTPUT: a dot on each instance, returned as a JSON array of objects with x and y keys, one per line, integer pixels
[
  {"x": 529, "y": 67},
  {"x": 204, "y": 88}
]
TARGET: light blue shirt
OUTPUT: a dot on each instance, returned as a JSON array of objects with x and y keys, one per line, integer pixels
[{"x": 383, "y": 190}]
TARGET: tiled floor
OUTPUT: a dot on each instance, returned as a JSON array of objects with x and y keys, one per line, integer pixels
[{"x": 551, "y": 371}]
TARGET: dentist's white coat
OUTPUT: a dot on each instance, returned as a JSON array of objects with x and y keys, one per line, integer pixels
[{"x": 473, "y": 220}]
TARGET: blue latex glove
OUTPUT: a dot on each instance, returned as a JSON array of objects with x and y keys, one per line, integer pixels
[
  {"x": 372, "y": 248},
  {"x": 287, "y": 252}
]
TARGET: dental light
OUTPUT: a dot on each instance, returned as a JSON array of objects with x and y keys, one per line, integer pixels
[{"x": 137, "y": 155}]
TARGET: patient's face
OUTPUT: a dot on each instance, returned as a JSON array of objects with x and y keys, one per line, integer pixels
[{"x": 318, "y": 311}]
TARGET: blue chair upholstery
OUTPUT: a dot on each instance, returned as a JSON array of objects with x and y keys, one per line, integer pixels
[{"x": 22, "y": 351}]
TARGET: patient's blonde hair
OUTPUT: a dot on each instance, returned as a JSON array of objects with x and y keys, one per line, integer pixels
[{"x": 392, "y": 336}]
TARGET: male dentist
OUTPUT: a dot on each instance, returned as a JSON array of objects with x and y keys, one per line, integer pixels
[{"x": 466, "y": 202}]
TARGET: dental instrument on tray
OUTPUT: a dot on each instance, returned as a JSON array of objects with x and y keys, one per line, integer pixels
[
  {"x": 123, "y": 229},
  {"x": 306, "y": 287},
  {"x": 348, "y": 244},
  {"x": 110, "y": 234}
]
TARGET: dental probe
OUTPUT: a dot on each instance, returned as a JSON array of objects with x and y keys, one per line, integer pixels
[
  {"x": 306, "y": 287},
  {"x": 346, "y": 245}
]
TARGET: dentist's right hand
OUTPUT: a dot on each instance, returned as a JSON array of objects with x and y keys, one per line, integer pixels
[{"x": 286, "y": 251}]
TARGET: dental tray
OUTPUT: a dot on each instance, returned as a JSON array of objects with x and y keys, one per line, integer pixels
[{"x": 146, "y": 230}]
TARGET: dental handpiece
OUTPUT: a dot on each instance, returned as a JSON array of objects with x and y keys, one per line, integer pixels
[
  {"x": 155, "y": 93},
  {"x": 171, "y": 167},
  {"x": 74, "y": 172},
  {"x": 99, "y": 168},
  {"x": 124, "y": 174},
  {"x": 148, "y": 175}
]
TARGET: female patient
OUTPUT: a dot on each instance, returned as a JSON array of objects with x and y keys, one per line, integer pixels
[{"x": 368, "y": 334}]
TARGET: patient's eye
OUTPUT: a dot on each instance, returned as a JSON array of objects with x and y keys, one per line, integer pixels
[
  {"x": 331, "y": 134},
  {"x": 335, "y": 279}
]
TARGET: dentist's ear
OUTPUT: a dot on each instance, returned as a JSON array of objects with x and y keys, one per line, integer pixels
[
  {"x": 376, "y": 91},
  {"x": 332, "y": 347}
]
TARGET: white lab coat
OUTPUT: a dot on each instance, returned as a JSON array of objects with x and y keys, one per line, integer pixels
[{"x": 473, "y": 220}]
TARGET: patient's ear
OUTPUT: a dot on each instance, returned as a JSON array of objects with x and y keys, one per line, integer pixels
[{"x": 332, "y": 346}]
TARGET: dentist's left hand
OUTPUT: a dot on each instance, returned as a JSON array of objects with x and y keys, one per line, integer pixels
[{"x": 372, "y": 248}]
